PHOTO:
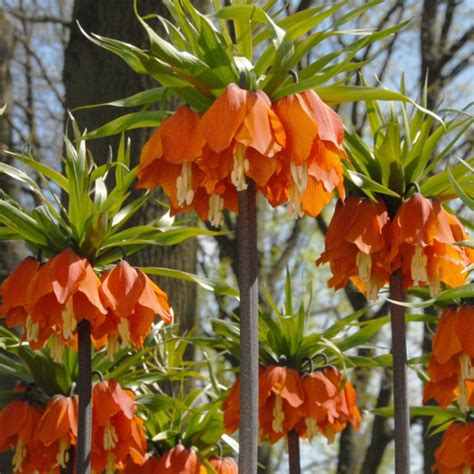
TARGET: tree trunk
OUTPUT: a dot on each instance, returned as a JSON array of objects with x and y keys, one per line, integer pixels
[
  {"x": 9, "y": 257},
  {"x": 10, "y": 252},
  {"x": 93, "y": 75}
]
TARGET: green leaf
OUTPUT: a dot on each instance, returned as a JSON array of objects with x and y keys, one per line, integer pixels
[
  {"x": 338, "y": 94},
  {"x": 150, "y": 96},
  {"x": 131, "y": 121},
  {"x": 206, "y": 283},
  {"x": 368, "y": 184},
  {"x": 43, "y": 169},
  {"x": 468, "y": 200},
  {"x": 362, "y": 336},
  {"x": 21, "y": 223}
]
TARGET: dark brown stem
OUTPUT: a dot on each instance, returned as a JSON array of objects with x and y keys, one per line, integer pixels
[
  {"x": 84, "y": 389},
  {"x": 294, "y": 452},
  {"x": 399, "y": 350},
  {"x": 248, "y": 283}
]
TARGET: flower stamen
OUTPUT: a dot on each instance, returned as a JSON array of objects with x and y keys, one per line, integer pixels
[
  {"x": 184, "y": 191},
  {"x": 69, "y": 320},
  {"x": 240, "y": 167},
  {"x": 278, "y": 415},
  {"x": 216, "y": 205},
  {"x": 418, "y": 266}
]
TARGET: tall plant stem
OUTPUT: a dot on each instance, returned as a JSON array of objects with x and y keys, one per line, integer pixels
[
  {"x": 84, "y": 388},
  {"x": 399, "y": 351},
  {"x": 248, "y": 283},
  {"x": 294, "y": 452}
]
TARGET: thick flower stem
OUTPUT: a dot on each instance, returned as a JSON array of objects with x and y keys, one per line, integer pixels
[
  {"x": 84, "y": 388},
  {"x": 248, "y": 282},
  {"x": 294, "y": 452},
  {"x": 399, "y": 351}
]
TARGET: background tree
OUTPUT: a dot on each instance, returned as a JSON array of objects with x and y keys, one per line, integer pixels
[{"x": 40, "y": 93}]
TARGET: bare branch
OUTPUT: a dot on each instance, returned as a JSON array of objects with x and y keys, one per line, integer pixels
[
  {"x": 448, "y": 19},
  {"x": 282, "y": 262},
  {"x": 456, "y": 46},
  {"x": 44, "y": 73},
  {"x": 457, "y": 69},
  {"x": 22, "y": 16},
  {"x": 304, "y": 5}
]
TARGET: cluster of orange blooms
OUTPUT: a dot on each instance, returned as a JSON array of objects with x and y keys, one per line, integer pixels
[
  {"x": 365, "y": 246},
  {"x": 291, "y": 149},
  {"x": 456, "y": 453},
  {"x": 48, "y": 301},
  {"x": 451, "y": 365},
  {"x": 181, "y": 460},
  {"x": 451, "y": 370},
  {"x": 42, "y": 437},
  {"x": 317, "y": 402}
]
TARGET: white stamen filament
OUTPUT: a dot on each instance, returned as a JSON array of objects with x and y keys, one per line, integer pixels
[
  {"x": 110, "y": 466},
  {"x": 371, "y": 290},
  {"x": 32, "y": 330},
  {"x": 311, "y": 427},
  {"x": 418, "y": 266},
  {"x": 124, "y": 331},
  {"x": 63, "y": 455},
  {"x": 110, "y": 437},
  {"x": 184, "y": 191},
  {"x": 19, "y": 456},
  {"x": 216, "y": 205},
  {"x": 294, "y": 208},
  {"x": 278, "y": 415},
  {"x": 240, "y": 167},
  {"x": 56, "y": 348},
  {"x": 364, "y": 264},
  {"x": 467, "y": 373},
  {"x": 69, "y": 320},
  {"x": 113, "y": 345},
  {"x": 299, "y": 173}
]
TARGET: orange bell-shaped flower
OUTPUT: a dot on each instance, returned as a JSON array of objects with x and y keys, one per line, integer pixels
[
  {"x": 244, "y": 123},
  {"x": 231, "y": 408},
  {"x": 281, "y": 397},
  {"x": 328, "y": 408},
  {"x": 57, "y": 427},
  {"x": 224, "y": 465},
  {"x": 168, "y": 158},
  {"x": 117, "y": 432},
  {"x": 456, "y": 452},
  {"x": 313, "y": 151},
  {"x": 133, "y": 301},
  {"x": 423, "y": 238},
  {"x": 451, "y": 365},
  {"x": 13, "y": 291},
  {"x": 180, "y": 460},
  {"x": 18, "y": 423},
  {"x": 62, "y": 293},
  {"x": 150, "y": 466},
  {"x": 356, "y": 245}
]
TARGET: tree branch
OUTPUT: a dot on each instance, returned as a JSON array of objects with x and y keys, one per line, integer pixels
[
  {"x": 22, "y": 16},
  {"x": 285, "y": 256},
  {"x": 456, "y": 70},
  {"x": 456, "y": 46}
]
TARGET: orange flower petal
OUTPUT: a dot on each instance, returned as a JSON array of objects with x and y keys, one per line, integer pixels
[
  {"x": 221, "y": 122},
  {"x": 183, "y": 123}
]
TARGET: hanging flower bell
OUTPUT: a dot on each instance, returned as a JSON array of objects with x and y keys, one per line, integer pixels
[
  {"x": 423, "y": 239},
  {"x": 451, "y": 365},
  {"x": 356, "y": 245}
]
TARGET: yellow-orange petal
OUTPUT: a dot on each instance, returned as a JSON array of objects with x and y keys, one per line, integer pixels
[
  {"x": 221, "y": 122},
  {"x": 181, "y": 136},
  {"x": 300, "y": 127}
]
